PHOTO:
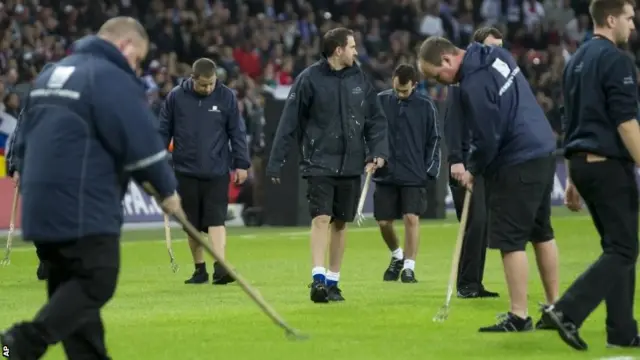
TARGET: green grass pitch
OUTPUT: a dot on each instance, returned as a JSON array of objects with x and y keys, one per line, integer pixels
[{"x": 155, "y": 316}]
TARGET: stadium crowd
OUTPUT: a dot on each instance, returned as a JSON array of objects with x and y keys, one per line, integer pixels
[{"x": 266, "y": 43}]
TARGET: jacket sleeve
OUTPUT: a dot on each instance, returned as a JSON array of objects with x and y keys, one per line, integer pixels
[
  {"x": 130, "y": 130},
  {"x": 621, "y": 89},
  {"x": 237, "y": 132},
  {"x": 432, "y": 150},
  {"x": 375, "y": 127},
  {"x": 484, "y": 120},
  {"x": 454, "y": 127},
  {"x": 17, "y": 147},
  {"x": 9, "y": 154},
  {"x": 296, "y": 109},
  {"x": 166, "y": 119}
]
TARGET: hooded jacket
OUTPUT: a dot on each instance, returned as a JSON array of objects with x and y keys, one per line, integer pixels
[
  {"x": 209, "y": 136},
  {"x": 336, "y": 120},
  {"x": 414, "y": 140},
  {"x": 86, "y": 131},
  {"x": 508, "y": 126}
]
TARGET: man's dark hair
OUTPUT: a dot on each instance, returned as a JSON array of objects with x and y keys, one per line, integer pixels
[
  {"x": 203, "y": 67},
  {"x": 600, "y": 10},
  {"x": 434, "y": 47},
  {"x": 484, "y": 32},
  {"x": 334, "y": 39},
  {"x": 405, "y": 73}
]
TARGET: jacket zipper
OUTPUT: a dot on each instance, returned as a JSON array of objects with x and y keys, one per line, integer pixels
[
  {"x": 199, "y": 142},
  {"x": 343, "y": 124}
]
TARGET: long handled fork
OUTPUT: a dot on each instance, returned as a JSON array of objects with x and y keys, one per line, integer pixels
[
  {"x": 363, "y": 197},
  {"x": 14, "y": 209},
  {"x": 248, "y": 289},
  {"x": 443, "y": 313},
  {"x": 167, "y": 240}
]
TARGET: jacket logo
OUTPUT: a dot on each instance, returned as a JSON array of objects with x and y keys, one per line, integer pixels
[
  {"x": 501, "y": 67},
  {"x": 214, "y": 109},
  {"x": 356, "y": 91}
]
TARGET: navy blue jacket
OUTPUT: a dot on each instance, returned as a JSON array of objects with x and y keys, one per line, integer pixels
[
  {"x": 86, "y": 132},
  {"x": 202, "y": 127},
  {"x": 600, "y": 93},
  {"x": 456, "y": 130},
  {"x": 507, "y": 125},
  {"x": 414, "y": 140}
]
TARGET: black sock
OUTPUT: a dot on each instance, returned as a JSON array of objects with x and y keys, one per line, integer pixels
[{"x": 201, "y": 267}]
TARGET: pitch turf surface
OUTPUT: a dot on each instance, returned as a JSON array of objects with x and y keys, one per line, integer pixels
[{"x": 155, "y": 316}]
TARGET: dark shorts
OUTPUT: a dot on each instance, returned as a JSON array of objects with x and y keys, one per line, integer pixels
[
  {"x": 204, "y": 201},
  {"x": 391, "y": 202},
  {"x": 333, "y": 196},
  {"x": 520, "y": 204}
]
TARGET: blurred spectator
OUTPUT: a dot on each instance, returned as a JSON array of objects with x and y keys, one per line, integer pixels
[{"x": 260, "y": 44}]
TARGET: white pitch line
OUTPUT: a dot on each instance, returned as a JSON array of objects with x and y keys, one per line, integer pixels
[{"x": 287, "y": 234}]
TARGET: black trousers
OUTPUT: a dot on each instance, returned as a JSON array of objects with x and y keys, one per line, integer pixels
[
  {"x": 475, "y": 241},
  {"x": 82, "y": 278},
  {"x": 610, "y": 192}
]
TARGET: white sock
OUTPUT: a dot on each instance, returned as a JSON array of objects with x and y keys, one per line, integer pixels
[
  {"x": 409, "y": 264},
  {"x": 398, "y": 254},
  {"x": 318, "y": 270},
  {"x": 333, "y": 276}
]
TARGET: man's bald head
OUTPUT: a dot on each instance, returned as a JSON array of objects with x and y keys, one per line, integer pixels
[
  {"x": 129, "y": 36},
  {"x": 121, "y": 27}
]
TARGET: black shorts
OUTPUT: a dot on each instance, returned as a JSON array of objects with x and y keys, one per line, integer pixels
[
  {"x": 520, "y": 204},
  {"x": 333, "y": 196},
  {"x": 391, "y": 202},
  {"x": 204, "y": 201}
]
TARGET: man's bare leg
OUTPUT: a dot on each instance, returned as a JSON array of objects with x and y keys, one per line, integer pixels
[
  {"x": 319, "y": 240},
  {"x": 336, "y": 251},
  {"x": 218, "y": 238},
  {"x": 516, "y": 270},
  {"x": 197, "y": 252},
  {"x": 547, "y": 260},
  {"x": 392, "y": 273},
  {"x": 200, "y": 276},
  {"x": 390, "y": 238},
  {"x": 411, "y": 240}
]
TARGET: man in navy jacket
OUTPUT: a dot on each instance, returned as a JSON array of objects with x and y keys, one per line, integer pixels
[
  {"x": 512, "y": 148},
  {"x": 86, "y": 132},
  {"x": 209, "y": 139},
  {"x": 457, "y": 136},
  {"x": 414, "y": 144}
]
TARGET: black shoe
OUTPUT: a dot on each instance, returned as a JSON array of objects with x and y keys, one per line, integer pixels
[
  {"x": 393, "y": 271},
  {"x": 220, "y": 275},
  {"x": 319, "y": 292},
  {"x": 474, "y": 293},
  {"x": 22, "y": 342},
  {"x": 198, "y": 277},
  {"x": 542, "y": 325},
  {"x": 484, "y": 293},
  {"x": 408, "y": 276},
  {"x": 9, "y": 347},
  {"x": 635, "y": 343},
  {"x": 43, "y": 271},
  {"x": 567, "y": 330},
  {"x": 335, "y": 294},
  {"x": 509, "y": 323}
]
